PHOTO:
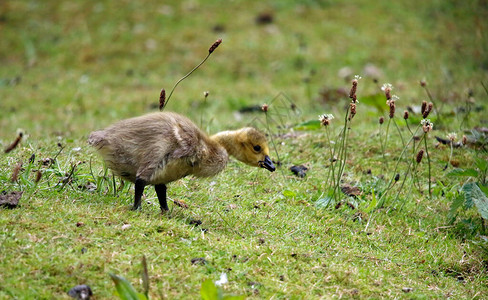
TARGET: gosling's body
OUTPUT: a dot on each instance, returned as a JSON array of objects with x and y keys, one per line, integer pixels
[{"x": 159, "y": 148}]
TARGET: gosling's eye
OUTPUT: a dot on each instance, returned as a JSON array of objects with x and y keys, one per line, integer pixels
[{"x": 257, "y": 148}]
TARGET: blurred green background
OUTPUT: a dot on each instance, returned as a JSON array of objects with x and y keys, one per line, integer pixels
[{"x": 68, "y": 67}]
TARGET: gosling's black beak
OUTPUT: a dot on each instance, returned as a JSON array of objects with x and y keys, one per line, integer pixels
[{"x": 267, "y": 164}]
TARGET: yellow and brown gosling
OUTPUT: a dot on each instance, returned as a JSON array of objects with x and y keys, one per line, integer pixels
[{"x": 158, "y": 148}]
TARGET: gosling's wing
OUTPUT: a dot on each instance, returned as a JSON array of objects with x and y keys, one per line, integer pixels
[
  {"x": 187, "y": 141},
  {"x": 174, "y": 151}
]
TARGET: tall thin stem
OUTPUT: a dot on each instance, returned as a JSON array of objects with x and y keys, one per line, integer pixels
[
  {"x": 342, "y": 154},
  {"x": 271, "y": 136},
  {"x": 400, "y": 133},
  {"x": 183, "y": 78},
  {"x": 382, "y": 145},
  {"x": 210, "y": 51},
  {"x": 386, "y": 139},
  {"x": 450, "y": 155},
  {"x": 381, "y": 201},
  {"x": 332, "y": 165},
  {"x": 403, "y": 183},
  {"x": 428, "y": 160}
]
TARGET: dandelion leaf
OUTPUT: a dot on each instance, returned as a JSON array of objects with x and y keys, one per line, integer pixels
[
  {"x": 324, "y": 202},
  {"x": 125, "y": 290},
  {"x": 455, "y": 205},
  {"x": 232, "y": 297},
  {"x": 145, "y": 276},
  {"x": 209, "y": 291},
  {"x": 484, "y": 189},
  {"x": 482, "y": 164},
  {"x": 374, "y": 100},
  {"x": 372, "y": 204},
  {"x": 462, "y": 172},
  {"x": 308, "y": 125},
  {"x": 473, "y": 194}
]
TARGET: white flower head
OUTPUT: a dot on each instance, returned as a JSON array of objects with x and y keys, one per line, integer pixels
[
  {"x": 452, "y": 136},
  {"x": 357, "y": 77},
  {"x": 393, "y": 99},
  {"x": 427, "y": 125},
  {"x": 223, "y": 279},
  {"x": 325, "y": 119},
  {"x": 386, "y": 86}
]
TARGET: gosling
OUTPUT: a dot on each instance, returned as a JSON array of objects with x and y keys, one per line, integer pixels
[{"x": 159, "y": 148}]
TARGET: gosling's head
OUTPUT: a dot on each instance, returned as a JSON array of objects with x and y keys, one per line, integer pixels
[{"x": 253, "y": 148}]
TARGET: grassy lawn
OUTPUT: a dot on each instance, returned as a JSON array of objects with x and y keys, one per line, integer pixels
[{"x": 71, "y": 67}]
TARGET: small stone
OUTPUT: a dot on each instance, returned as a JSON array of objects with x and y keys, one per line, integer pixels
[
  {"x": 299, "y": 171},
  {"x": 81, "y": 292},
  {"x": 195, "y": 222},
  {"x": 10, "y": 199},
  {"x": 198, "y": 260},
  {"x": 349, "y": 190}
]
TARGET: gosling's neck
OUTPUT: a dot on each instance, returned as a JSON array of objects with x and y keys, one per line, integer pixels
[{"x": 229, "y": 140}]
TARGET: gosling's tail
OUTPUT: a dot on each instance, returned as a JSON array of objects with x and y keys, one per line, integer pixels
[{"x": 97, "y": 139}]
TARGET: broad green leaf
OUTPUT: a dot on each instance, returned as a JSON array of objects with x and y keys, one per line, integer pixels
[
  {"x": 375, "y": 100},
  {"x": 461, "y": 172},
  {"x": 482, "y": 164},
  {"x": 145, "y": 276},
  {"x": 467, "y": 188},
  {"x": 483, "y": 188},
  {"x": 234, "y": 298},
  {"x": 371, "y": 205},
  {"x": 209, "y": 291},
  {"x": 125, "y": 290},
  {"x": 455, "y": 205},
  {"x": 473, "y": 193},
  {"x": 324, "y": 202},
  {"x": 289, "y": 194},
  {"x": 308, "y": 125}
]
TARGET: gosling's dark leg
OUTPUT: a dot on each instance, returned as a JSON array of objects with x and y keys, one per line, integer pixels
[
  {"x": 139, "y": 189},
  {"x": 161, "y": 192}
]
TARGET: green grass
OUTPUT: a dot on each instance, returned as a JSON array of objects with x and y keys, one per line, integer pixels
[{"x": 72, "y": 67}]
